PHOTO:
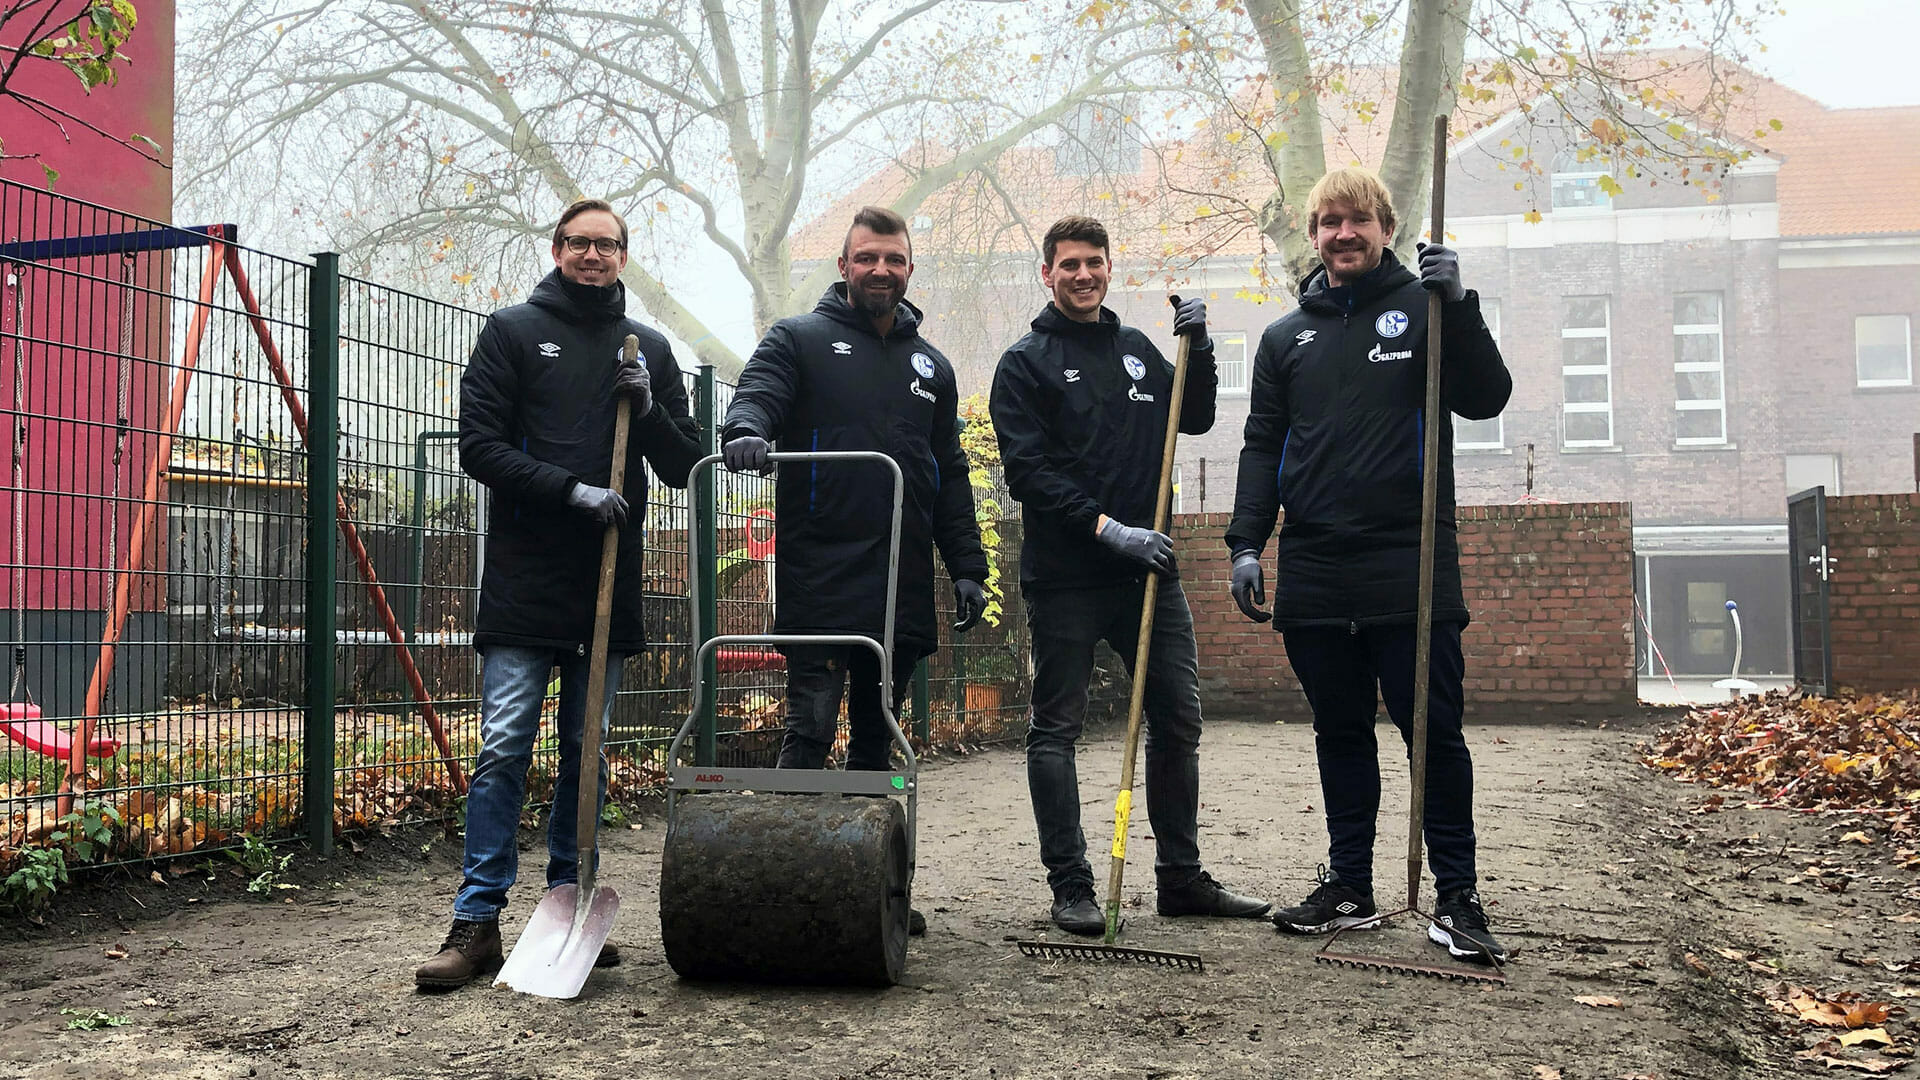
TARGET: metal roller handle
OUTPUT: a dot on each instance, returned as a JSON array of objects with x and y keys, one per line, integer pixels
[{"x": 883, "y": 649}]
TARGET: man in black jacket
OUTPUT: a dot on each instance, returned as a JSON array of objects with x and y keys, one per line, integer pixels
[
  {"x": 1335, "y": 434},
  {"x": 1080, "y": 406},
  {"x": 536, "y": 427},
  {"x": 855, "y": 374}
]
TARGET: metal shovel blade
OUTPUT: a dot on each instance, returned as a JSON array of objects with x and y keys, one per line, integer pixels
[{"x": 554, "y": 957}]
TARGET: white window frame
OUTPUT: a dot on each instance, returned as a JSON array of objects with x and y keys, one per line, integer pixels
[
  {"x": 1173, "y": 504},
  {"x": 1717, "y": 365},
  {"x": 1568, "y": 169},
  {"x": 1869, "y": 383},
  {"x": 1490, "y": 311},
  {"x": 1605, "y": 333},
  {"x": 1244, "y": 386}
]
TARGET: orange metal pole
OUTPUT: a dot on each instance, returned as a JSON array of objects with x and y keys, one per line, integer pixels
[
  {"x": 76, "y": 782},
  {"x": 348, "y": 532}
]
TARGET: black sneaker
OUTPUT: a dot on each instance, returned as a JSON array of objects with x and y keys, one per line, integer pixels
[
  {"x": 1205, "y": 896},
  {"x": 1330, "y": 906},
  {"x": 1460, "y": 923},
  {"x": 1075, "y": 912}
]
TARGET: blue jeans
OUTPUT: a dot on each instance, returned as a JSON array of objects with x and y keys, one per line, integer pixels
[{"x": 513, "y": 682}]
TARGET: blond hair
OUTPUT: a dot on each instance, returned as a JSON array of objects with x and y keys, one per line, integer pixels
[{"x": 1357, "y": 187}]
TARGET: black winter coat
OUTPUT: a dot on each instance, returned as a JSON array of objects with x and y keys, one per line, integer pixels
[
  {"x": 1335, "y": 435},
  {"x": 826, "y": 381},
  {"x": 536, "y": 418},
  {"x": 1081, "y": 413}
]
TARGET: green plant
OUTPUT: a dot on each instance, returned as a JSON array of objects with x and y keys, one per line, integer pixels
[
  {"x": 86, "y": 831},
  {"x": 257, "y": 858},
  {"x": 253, "y": 854},
  {"x": 29, "y": 890},
  {"x": 982, "y": 449},
  {"x": 93, "y": 1019},
  {"x": 998, "y": 662},
  {"x": 612, "y": 816}
]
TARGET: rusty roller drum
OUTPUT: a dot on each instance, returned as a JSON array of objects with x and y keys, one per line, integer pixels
[{"x": 786, "y": 889}]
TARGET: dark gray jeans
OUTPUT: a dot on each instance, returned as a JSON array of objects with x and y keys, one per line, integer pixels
[
  {"x": 816, "y": 677},
  {"x": 1067, "y": 625}
]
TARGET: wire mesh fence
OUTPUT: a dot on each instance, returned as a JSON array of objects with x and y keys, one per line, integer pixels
[{"x": 184, "y": 672}]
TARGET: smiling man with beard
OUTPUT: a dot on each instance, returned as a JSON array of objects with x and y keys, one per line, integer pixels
[
  {"x": 1335, "y": 434},
  {"x": 855, "y": 374}
]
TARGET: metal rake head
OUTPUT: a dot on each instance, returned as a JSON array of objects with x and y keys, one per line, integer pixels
[
  {"x": 1490, "y": 974},
  {"x": 1109, "y": 954}
]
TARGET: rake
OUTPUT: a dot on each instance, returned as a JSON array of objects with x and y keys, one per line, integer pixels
[{"x": 1422, "y": 655}]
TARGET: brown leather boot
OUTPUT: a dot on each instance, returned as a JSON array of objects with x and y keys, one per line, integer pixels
[{"x": 471, "y": 949}]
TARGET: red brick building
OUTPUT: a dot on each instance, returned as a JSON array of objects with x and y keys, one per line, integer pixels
[{"x": 1698, "y": 359}]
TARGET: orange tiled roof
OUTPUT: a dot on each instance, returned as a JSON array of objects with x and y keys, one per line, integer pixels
[{"x": 1842, "y": 172}]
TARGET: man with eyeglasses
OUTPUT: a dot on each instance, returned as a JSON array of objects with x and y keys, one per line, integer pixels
[{"x": 537, "y": 407}]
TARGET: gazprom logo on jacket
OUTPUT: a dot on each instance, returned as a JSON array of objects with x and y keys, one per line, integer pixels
[
  {"x": 1135, "y": 369},
  {"x": 923, "y": 364},
  {"x": 1390, "y": 325}
]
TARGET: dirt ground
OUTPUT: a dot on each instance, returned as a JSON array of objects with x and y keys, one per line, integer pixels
[{"x": 1606, "y": 877}]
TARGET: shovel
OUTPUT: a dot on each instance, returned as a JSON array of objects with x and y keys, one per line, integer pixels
[{"x": 557, "y": 950}]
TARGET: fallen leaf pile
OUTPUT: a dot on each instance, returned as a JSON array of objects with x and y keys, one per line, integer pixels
[
  {"x": 1859, "y": 753},
  {"x": 1861, "y": 1044}
]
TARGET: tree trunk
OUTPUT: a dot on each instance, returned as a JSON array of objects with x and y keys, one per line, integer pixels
[{"x": 1430, "y": 68}]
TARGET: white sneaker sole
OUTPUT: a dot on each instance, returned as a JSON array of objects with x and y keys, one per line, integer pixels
[
  {"x": 1339, "y": 922},
  {"x": 1439, "y": 935}
]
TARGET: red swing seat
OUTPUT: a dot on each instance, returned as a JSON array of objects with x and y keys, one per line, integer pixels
[{"x": 23, "y": 725}]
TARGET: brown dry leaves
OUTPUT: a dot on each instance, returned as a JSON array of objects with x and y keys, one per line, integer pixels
[{"x": 1853, "y": 753}]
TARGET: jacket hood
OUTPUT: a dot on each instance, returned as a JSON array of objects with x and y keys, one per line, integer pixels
[
  {"x": 576, "y": 302},
  {"x": 1052, "y": 320},
  {"x": 1315, "y": 291},
  {"x": 835, "y": 305}
]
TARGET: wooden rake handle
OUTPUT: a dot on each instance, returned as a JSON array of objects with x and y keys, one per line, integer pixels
[{"x": 1136, "y": 700}]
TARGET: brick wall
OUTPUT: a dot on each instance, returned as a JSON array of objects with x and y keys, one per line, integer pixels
[
  {"x": 1874, "y": 541},
  {"x": 1550, "y": 587}
]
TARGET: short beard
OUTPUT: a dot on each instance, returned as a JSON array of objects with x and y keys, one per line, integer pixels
[{"x": 872, "y": 308}]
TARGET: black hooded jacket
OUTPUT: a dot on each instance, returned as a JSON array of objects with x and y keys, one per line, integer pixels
[
  {"x": 1080, "y": 409},
  {"x": 1335, "y": 435},
  {"x": 827, "y": 381},
  {"x": 536, "y": 418}
]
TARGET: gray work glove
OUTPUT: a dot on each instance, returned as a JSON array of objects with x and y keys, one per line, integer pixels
[
  {"x": 747, "y": 453},
  {"x": 1249, "y": 591},
  {"x": 1153, "y": 550},
  {"x": 604, "y": 505},
  {"x": 1190, "y": 318},
  {"x": 969, "y": 603},
  {"x": 1440, "y": 271},
  {"x": 635, "y": 381}
]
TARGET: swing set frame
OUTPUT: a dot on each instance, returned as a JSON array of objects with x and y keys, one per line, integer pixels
[{"x": 224, "y": 258}]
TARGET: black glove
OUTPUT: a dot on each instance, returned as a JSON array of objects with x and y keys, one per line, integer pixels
[
  {"x": 1440, "y": 271},
  {"x": 635, "y": 381},
  {"x": 604, "y": 505},
  {"x": 969, "y": 603},
  {"x": 1190, "y": 317},
  {"x": 1249, "y": 592},
  {"x": 1153, "y": 550},
  {"x": 747, "y": 453}
]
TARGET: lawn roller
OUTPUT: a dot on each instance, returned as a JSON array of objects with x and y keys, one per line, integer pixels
[{"x": 776, "y": 875}]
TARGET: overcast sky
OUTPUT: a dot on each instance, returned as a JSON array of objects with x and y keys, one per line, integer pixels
[{"x": 1846, "y": 53}]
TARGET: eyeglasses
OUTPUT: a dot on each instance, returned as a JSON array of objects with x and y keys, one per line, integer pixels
[{"x": 605, "y": 245}]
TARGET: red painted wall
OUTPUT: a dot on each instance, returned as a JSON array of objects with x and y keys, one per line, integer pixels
[
  {"x": 70, "y": 310},
  {"x": 91, "y": 166}
]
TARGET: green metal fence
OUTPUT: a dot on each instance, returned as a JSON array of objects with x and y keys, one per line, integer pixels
[{"x": 238, "y": 666}]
